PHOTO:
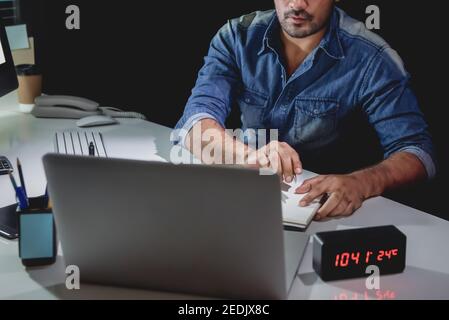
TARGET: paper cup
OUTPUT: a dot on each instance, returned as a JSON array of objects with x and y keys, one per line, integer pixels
[{"x": 30, "y": 86}]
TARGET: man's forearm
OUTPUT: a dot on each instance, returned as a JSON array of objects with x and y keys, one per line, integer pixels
[
  {"x": 209, "y": 133},
  {"x": 399, "y": 170}
]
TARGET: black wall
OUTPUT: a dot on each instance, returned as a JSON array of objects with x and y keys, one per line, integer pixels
[{"x": 144, "y": 56}]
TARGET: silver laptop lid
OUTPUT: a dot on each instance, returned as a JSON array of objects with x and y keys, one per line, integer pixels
[{"x": 195, "y": 229}]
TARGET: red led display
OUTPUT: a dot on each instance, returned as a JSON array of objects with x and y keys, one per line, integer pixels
[
  {"x": 346, "y": 254},
  {"x": 346, "y": 259}
]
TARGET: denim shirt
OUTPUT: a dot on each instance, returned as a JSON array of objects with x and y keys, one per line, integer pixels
[{"x": 351, "y": 68}]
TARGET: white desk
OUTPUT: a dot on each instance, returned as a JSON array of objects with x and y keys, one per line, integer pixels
[{"x": 426, "y": 276}]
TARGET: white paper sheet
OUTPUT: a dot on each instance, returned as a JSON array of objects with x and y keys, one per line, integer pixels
[{"x": 293, "y": 214}]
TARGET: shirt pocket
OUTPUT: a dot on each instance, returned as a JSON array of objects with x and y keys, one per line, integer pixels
[
  {"x": 315, "y": 119},
  {"x": 253, "y": 107}
]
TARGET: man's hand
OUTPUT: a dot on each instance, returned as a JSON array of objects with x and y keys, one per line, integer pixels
[
  {"x": 345, "y": 194},
  {"x": 276, "y": 157},
  {"x": 279, "y": 157}
]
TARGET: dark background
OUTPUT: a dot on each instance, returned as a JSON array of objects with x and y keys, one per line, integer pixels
[{"x": 144, "y": 56}]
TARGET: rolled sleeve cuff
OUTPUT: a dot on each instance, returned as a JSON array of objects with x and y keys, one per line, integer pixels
[
  {"x": 190, "y": 123},
  {"x": 425, "y": 158}
]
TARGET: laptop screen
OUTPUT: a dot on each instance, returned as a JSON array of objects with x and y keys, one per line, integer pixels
[
  {"x": 2, "y": 55},
  {"x": 8, "y": 76}
]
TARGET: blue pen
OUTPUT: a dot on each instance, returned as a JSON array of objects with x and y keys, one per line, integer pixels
[
  {"x": 23, "y": 199},
  {"x": 22, "y": 180},
  {"x": 20, "y": 194}
]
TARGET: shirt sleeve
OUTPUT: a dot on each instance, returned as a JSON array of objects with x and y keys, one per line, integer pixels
[
  {"x": 393, "y": 110},
  {"x": 214, "y": 91}
]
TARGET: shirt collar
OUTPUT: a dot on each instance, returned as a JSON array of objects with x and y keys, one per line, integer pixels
[
  {"x": 330, "y": 43},
  {"x": 270, "y": 34}
]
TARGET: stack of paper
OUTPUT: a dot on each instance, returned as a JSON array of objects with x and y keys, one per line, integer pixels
[{"x": 294, "y": 215}]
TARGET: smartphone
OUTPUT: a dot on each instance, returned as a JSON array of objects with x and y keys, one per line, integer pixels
[
  {"x": 37, "y": 238},
  {"x": 8, "y": 222}
]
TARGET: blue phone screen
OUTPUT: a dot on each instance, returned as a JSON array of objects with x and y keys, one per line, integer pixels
[{"x": 36, "y": 236}]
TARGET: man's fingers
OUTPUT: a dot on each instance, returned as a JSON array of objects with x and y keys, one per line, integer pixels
[
  {"x": 329, "y": 207},
  {"x": 316, "y": 192},
  {"x": 263, "y": 159},
  {"x": 339, "y": 210},
  {"x": 304, "y": 188},
  {"x": 308, "y": 184},
  {"x": 288, "y": 165},
  {"x": 315, "y": 180},
  {"x": 287, "y": 168},
  {"x": 350, "y": 209},
  {"x": 290, "y": 161},
  {"x": 296, "y": 162},
  {"x": 275, "y": 163}
]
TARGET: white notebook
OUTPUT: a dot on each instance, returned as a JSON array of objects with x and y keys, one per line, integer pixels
[{"x": 294, "y": 215}]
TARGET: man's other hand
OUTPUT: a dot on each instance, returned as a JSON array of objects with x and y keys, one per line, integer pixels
[{"x": 345, "y": 194}]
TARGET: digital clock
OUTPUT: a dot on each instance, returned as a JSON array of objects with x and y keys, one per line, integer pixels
[{"x": 339, "y": 255}]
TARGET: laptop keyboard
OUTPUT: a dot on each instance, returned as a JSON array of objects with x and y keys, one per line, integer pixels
[
  {"x": 5, "y": 166},
  {"x": 80, "y": 143}
]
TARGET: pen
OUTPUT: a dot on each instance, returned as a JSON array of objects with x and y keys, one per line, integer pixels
[
  {"x": 22, "y": 180},
  {"x": 20, "y": 194},
  {"x": 13, "y": 181}
]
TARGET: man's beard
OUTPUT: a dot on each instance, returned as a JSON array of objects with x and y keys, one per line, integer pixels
[{"x": 310, "y": 27}]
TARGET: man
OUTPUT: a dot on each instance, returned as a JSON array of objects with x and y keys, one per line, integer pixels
[{"x": 303, "y": 69}]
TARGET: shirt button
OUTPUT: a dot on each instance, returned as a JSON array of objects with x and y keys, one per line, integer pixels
[{"x": 247, "y": 100}]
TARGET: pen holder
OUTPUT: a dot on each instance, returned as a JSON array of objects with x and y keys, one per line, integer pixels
[
  {"x": 37, "y": 233},
  {"x": 37, "y": 203}
]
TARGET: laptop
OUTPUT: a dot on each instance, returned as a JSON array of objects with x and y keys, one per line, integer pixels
[{"x": 202, "y": 230}]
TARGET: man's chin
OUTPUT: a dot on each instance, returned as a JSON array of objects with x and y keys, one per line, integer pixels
[{"x": 298, "y": 32}]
